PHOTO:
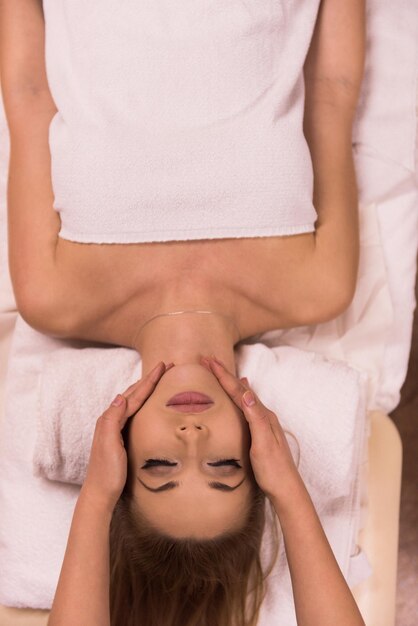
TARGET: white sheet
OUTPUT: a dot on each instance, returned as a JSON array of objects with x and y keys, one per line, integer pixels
[{"x": 376, "y": 337}]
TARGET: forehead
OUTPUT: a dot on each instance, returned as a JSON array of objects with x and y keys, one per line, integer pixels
[{"x": 194, "y": 511}]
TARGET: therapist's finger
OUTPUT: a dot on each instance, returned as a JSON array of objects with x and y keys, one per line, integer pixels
[
  {"x": 231, "y": 384},
  {"x": 136, "y": 384},
  {"x": 257, "y": 414},
  {"x": 134, "y": 397},
  {"x": 141, "y": 392}
]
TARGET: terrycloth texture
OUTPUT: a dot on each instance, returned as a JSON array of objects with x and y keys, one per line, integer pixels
[
  {"x": 75, "y": 387},
  {"x": 179, "y": 120},
  {"x": 36, "y": 512}
]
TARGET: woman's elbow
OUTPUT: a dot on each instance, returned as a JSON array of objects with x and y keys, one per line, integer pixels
[
  {"x": 336, "y": 299},
  {"x": 44, "y": 313},
  {"x": 327, "y": 302}
]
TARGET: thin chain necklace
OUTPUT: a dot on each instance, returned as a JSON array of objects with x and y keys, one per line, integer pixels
[{"x": 186, "y": 311}]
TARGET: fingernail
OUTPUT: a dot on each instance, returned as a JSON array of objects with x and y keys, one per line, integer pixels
[
  {"x": 169, "y": 366},
  {"x": 155, "y": 373},
  {"x": 205, "y": 362},
  {"x": 245, "y": 380},
  {"x": 248, "y": 398},
  {"x": 118, "y": 400}
]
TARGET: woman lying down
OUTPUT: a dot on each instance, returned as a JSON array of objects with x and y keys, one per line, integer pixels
[{"x": 196, "y": 187}]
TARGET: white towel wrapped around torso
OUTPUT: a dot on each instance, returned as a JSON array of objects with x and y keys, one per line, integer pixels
[{"x": 179, "y": 120}]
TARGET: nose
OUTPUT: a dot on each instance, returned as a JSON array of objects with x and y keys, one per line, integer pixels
[{"x": 192, "y": 429}]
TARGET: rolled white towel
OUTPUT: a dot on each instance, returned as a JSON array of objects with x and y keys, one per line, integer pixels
[{"x": 76, "y": 386}]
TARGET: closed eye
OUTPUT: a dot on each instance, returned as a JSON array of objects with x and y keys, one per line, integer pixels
[{"x": 151, "y": 463}]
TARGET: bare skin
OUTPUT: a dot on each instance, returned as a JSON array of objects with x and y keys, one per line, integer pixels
[
  {"x": 191, "y": 442},
  {"x": 320, "y": 591},
  {"x": 105, "y": 292}
]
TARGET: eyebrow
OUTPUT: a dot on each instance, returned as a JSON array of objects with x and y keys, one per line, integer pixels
[{"x": 174, "y": 483}]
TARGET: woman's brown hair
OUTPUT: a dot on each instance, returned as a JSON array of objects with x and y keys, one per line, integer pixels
[{"x": 158, "y": 580}]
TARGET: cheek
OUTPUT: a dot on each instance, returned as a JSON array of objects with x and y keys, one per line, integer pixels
[{"x": 236, "y": 431}]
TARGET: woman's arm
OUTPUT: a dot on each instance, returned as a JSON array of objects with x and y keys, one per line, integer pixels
[
  {"x": 333, "y": 74},
  {"x": 315, "y": 275},
  {"x": 334, "y": 66},
  {"x": 82, "y": 595},
  {"x": 22, "y": 61},
  {"x": 320, "y": 591},
  {"x": 33, "y": 225}
]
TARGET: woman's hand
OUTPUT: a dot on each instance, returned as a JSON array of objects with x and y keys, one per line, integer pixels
[
  {"x": 108, "y": 465},
  {"x": 271, "y": 459}
]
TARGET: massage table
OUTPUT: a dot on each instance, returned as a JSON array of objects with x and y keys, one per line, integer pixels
[{"x": 382, "y": 477}]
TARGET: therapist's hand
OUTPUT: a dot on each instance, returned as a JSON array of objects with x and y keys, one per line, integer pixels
[
  {"x": 271, "y": 459},
  {"x": 108, "y": 464}
]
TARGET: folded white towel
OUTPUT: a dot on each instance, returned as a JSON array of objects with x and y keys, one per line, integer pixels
[
  {"x": 76, "y": 386},
  {"x": 37, "y": 512}
]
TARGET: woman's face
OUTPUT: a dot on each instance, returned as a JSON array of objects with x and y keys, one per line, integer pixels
[{"x": 204, "y": 485}]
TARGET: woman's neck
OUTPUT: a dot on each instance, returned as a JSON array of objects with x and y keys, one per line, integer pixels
[{"x": 184, "y": 338}]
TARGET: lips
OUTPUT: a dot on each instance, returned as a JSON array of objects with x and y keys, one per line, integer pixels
[{"x": 190, "y": 402}]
